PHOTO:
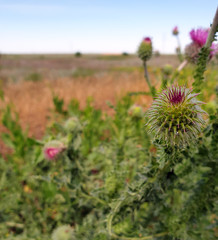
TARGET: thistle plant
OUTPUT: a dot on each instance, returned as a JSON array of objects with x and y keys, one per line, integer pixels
[
  {"x": 144, "y": 53},
  {"x": 176, "y": 117},
  {"x": 145, "y": 49},
  {"x": 199, "y": 38}
]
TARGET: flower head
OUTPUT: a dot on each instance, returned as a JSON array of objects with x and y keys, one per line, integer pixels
[
  {"x": 147, "y": 40},
  {"x": 176, "y": 117},
  {"x": 175, "y": 31},
  {"x": 145, "y": 49},
  {"x": 52, "y": 149},
  {"x": 199, "y": 38}
]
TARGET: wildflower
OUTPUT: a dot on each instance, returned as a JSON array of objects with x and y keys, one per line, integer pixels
[
  {"x": 199, "y": 38},
  {"x": 175, "y": 31},
  {"x": 176, "y": 117},
  {"x": 145, "y": 49},
  {"x": 53, "y": 149},
  {"x": 64, "y": 232}
]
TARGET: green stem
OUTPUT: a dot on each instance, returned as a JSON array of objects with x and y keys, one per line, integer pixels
[
  {"x": 109, "y": 227},
  {"x": 204, "y": 55},
  {"x": 94, "y": 198},
  {"x": 152, "y": 90},
  {"x": 213, "y": 31}
]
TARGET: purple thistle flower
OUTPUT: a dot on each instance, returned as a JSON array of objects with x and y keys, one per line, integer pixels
[
  {"x": 172, "y": 116},
  {"x": 147, "y": 40},
  {"x": 199, "y": 36}
]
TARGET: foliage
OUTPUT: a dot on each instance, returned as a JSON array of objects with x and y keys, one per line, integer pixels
[{"x": 101, "y": 177}]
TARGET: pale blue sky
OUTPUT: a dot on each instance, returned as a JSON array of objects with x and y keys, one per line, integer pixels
[{"x": 98, "y": 26}]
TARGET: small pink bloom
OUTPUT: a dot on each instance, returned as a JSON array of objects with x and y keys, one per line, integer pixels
[
  {"x": 52, "y": 152},
  {"x": 175, "y": 30}
]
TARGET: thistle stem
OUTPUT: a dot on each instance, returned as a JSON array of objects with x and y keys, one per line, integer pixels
[
  {"x": 182, "y": 65},
  {"x": 213, "y": 31},
  {"x": 204, "y": 55},
  {"x": 152, "y": 90}
]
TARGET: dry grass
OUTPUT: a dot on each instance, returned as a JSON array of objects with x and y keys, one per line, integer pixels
[{"x": 33, "y": 100}]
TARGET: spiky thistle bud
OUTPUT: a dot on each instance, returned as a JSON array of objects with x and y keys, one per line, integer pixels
[
  {"x": 72, "y": 124},
  {"x": 136, "y": 111},
  {"x": 175, "y": 117},
  {"x": 145, "y": 49},
  {"x": 64, "y": 232}
]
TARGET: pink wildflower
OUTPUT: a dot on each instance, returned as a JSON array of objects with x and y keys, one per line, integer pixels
[
  {"x": 52, "y": 149},
  {"x": 199, "y": 36},
  {"x": 51, "y": 152}
]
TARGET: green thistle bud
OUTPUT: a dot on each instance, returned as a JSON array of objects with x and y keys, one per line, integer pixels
[
  {"x": 167, "y": 69},
  {"x": 176, "y": 117},
  {"x": 64, "y": 232},
  {"x": 136, "y": 111},
  {"x": 145, "y": 49},
  {"x": 72, "y": 124}
]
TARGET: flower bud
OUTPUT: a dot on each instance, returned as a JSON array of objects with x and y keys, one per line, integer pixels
[
  {"x": 136, "y": 111},
  {"x": 175, "y": 31},
  {"x": 72, "y": 124},
  {"x": 52, "y": 149},
  {"x": 167, "y": 69},
  {"x": 175, "y": 117},
  {"x": 145, "y": 49},
  {"x": 64, "y": 232}
]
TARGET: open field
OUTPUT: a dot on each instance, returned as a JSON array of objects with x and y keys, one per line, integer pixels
[{"x": 30, "y": 80}]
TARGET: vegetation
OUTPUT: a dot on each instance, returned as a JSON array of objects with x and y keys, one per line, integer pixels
[{"x": 102, "y": 177}]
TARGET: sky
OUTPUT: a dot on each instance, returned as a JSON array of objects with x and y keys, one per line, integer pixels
[{"x": 99, "y": 26}]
